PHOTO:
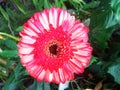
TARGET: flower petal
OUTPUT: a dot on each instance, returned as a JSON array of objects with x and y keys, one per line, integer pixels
[
  {"x": 41, "y": 75},
  {"x": 27, "y": 58},
  {"x": 61, "y": 75},
  {"x": 30, "y": 32},
  {"x": 56, "y": 77},
  {"x": 48, "y": 76},
  {"x": 27, "y": 50},
  {"x": 27, "y": 40}
]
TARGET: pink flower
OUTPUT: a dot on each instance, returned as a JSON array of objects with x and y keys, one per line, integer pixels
[{"x": 54, "y": 46}]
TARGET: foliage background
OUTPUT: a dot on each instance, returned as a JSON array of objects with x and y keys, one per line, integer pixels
[{"x": 101, "y": 16}]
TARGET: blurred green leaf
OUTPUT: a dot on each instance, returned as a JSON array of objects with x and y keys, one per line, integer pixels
[
  {"x": 9, "y": 53},
  {"x": 9, "y": 64},
  {"x": 20, "y": 28},
  {"x": 100, "y": 38},
  {"x": 92, "y": 4},
  {"x": 11, "y": 44},
  {"x": 14, "y": 79},
  {"x": 115, "y": 4},
  {"x": 93, "y": 59},
  {"x": 47, "y": 4},
  {"x": 38, "y": 4},
  {"x": 20, "y": 6},
  {"x": 103, "y": 16},
  {"x": 115, "y": 72},
  {"x": 110, "y": 19},
  {"x": 4, "y": 13},
  {"x": 60, "y": 4},
  {"x": 39, "y": 86},
  {"x": 81, "y": 2}
]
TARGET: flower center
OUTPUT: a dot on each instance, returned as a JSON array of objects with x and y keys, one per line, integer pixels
[{"x": 53, "y": 49}]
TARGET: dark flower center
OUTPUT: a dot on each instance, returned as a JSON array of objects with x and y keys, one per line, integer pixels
[{"x": 53, "y": 49}]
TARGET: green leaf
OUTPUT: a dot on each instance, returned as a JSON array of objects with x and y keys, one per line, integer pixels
[
  {"x": 5, "y": 15},
  {"x": 46, "y": 86},
  {"x": 20, "y": 28},
  {"x": 100, "y": 38},
  {"x": 39, "y": 86},
  {"x": 9, "y": 53},
  {"x": 92, "y": 4},
  {"x": 9, "y": 64},
  {"x": 14, "y": 79},
  {"x": 19, "y": 71},
  {"x": 20, "y": 6},
  {"x": 11, "y": 44},
  {"x": 47, "y": 4},
  {"x": 93, "y": 59},
  {"x": 35, "y": 2},
  {"x": 115, "y": 5},
  {"x": 60, "y": 3},
  {"x": 110, "y": 19},
  {"x": 115, "y": 72},
  {"x": 57, "y": 4},
  {"x": 38, "y": 4}
]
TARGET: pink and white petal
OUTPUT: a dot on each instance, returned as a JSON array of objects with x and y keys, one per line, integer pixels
[
  {"x": 79, "y": 35},
  {"x": 48, "y": 76},
  {"x": 29, "y": 65},
  {"x": 53, "y": 17},
  {"x": 75, "y": 26},
  {"x": 61, "y": 18},
  {"x": 69, "y": 67},
  {"x": 66, "y": 15},
  {"x": 41, "y": 75},
  {"x": 82, "y": 52},
  {"x": 81, "y": 45},
  {"x": 27, "y": 40},
  {"x": 77, "y": 69},
  {"x": 80, "y": 32},
  {"x": 35, "y": 16},
  {"x": 68, "y": 24},
  {"x": 30, "y": 32},
  {"x": 78, "y": 64},
  {"x": 61, "y": 75},
  {"x": 39, "y": 26},
  {"x": 44, "y": 20},
  {"x": 38, "y": 71},
  {"x": 68, "y": 74},
  {"x": 35, "y": 71},
  {"x": 56, "y": 77},
  {"x": 27, "y": 50},
  {"x": 26, "y": 58},
  {"x": 82, "y": 59},
  {"x": 32, "y": 26},
  {"x": 24, "y": 45}
]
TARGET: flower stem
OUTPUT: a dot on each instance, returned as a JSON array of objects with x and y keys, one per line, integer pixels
[
  {"x": 3, "y": 62},
  {"x": 86, "y": 12},
  {"x": 9, "y": 26},
  {"x": 11, "y": 36},
  {"x": 63, "y": 86}
]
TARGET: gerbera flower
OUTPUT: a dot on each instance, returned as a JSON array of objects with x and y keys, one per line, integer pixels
[{"x": 54, "y": 46}]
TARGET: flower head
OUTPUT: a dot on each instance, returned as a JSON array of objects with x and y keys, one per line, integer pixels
[{"x": 54, "y": 46}]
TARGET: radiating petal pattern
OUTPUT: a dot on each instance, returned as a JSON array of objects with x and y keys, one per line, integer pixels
[{"x": 54, "y": 46}]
